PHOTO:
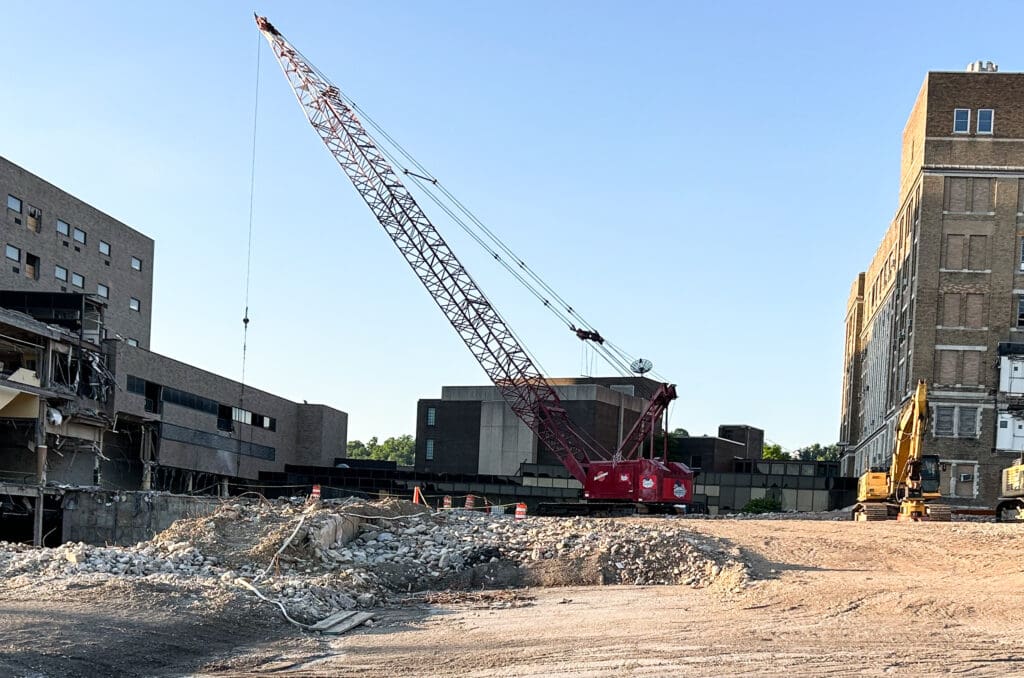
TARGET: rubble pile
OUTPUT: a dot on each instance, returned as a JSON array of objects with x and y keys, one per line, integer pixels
[{"x": 319, "y": 559}]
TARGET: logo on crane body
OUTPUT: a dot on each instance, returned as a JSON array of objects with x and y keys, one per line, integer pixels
[
  {"x": 679, "y": 489},
  {"x": 647, "y": 483}
]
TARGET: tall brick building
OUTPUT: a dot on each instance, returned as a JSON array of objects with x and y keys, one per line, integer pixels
[{"x": 943, "y": 297}]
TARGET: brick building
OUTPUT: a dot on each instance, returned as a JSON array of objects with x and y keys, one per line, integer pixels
[
  {"x": 943, "y": 297},
  {"x": 77, "y": 377}
]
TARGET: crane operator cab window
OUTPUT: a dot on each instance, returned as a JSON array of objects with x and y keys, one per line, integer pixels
[{"x": 929, "y": 473}]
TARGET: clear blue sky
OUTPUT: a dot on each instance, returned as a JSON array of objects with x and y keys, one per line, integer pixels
[{"x": 702, "y": 180}]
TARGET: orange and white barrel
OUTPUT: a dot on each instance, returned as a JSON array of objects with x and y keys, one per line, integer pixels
[
  {"x": 315, "y": 494},
  {"x": 447, "y": 501},
  {"x": 520, "y": 511},
  {"x": 470, "y": 501}
]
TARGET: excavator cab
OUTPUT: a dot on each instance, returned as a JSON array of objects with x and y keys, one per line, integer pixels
[{"x": 929, "y": 472}]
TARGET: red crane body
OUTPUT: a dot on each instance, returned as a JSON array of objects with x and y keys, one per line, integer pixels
[{"x": 604, "y": 476}]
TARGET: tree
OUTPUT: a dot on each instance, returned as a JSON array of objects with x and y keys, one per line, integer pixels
[
  {"x": 401, "y": 450},
  {"x": 817, "y": 452},
  {"x": 774, "y": 452}
]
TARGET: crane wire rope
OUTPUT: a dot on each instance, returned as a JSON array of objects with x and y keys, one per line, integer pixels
[
  {"x": 425, "y": 180},
  {"x": 248, "y": 254}
]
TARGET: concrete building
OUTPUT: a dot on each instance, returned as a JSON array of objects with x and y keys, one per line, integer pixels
[
  {"x": 471, "y": 429},
  {"x": 54, "y": 242},
  {"x": 79, "y": 385},
  {"x": 945, "y": 289}
]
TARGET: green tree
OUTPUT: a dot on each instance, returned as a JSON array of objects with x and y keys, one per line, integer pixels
[
  {"x": 774, "y": 451},
  {"x": 818, "y": 452},
  {"x": 401, "y": 450}
]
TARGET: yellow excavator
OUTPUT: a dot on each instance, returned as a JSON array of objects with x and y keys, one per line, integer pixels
[{"x": 912, "y": 480}]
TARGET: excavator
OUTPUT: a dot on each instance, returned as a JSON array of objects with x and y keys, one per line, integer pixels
[
  {"x": 912, "y": 480},
  {"x": 624, "y": 475}
]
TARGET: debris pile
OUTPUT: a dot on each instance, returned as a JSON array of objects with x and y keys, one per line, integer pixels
[{"x": 317, "y": 560}]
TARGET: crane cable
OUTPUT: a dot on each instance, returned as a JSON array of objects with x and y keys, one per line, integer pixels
[{"x": 426, "y": 181}]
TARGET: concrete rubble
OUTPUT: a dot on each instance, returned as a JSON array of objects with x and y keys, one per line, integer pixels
[{"x": 355, "y": 555}]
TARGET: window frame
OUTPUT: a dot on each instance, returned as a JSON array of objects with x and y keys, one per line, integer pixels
[
  {"x": 429, "y": 449},
  {"x": 967, "y": 125},
  {"x": 7, "y": 253},
  {"x": 102, "y": 290},
  {"x": 79, "y": 285},
  {"x": 136, "y": 260},
  {"x": 57, "y": 268},
  {"x": 956, "y": 417},
  {"x": 991, "y": 121},
  {"x": 104, "y": 243},
  {"x": 74, "y": 235},
  {"x": 135, "y": 304},
  {"x": 132, "y": 342},
  {"x": 10, "y": 199},
  {"x": 431, "y": 416},
  {"x": 66, "y": 232},
  {"x": 1020, "y": 310}
]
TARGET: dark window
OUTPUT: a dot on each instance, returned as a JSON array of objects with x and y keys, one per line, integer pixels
[
  {"x": 967, "y": 422},
  {"x": 944, "y": 421},
  {"x": 31, "y": 266},
  {"x": 430, "y": 450},
  {"x": 224, "y": 418},
  {"x": 1020, "y": 311},
  {"x": 431, "y": 416},
  {"x": 962, "y": 120},
  {"x": 136, "y": 385},
  {"x": 985, "y": 120}
]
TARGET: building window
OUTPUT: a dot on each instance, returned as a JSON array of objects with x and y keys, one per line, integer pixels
[
  {"x": 961, "y": 121},
  {"x": 137, "y": 263},
  {"x": 79, "y": 235},
  {"x": 13, "y": 253},
  {"x": 103, "y": 291},
  {"x": 430, "y": 450},
  {"x": 31, "y": 266},
  {"x": 985, "y": 120},
  {"x": 104, "y": 248},
  {"x": 1020, "y": 311},
  {"x": 63, "y": 228},
  {"x": 431, "y": 416},
  {"x": 133, "y": 342},
  {"x": 956, "y": 421},
  {"x": 14, "y": 204},
  {"x": 35, "y": 219},
  {"x": 134, "y": 304},
  {"x": 60, "y": 273},
  {"x": 77, "y": 280}
]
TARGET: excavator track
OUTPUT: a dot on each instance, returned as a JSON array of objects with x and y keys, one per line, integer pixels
[
  {"x": 870, "y": 512},
  {"x": 939, "y": 514}
]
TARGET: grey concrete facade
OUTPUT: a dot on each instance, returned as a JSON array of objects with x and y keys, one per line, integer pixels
[
  {"x": 471, "y": 429},
  {"x": 124, "y": 267}
]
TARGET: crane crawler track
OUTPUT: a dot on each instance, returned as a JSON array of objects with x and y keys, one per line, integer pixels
[{"x": 870, "y": 512}]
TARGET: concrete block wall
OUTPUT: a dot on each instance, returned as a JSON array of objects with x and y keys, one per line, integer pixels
[{"x": 125, "y": 518}]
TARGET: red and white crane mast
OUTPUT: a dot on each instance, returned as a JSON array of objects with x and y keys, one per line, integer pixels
[{"x": 462, "y": 301}]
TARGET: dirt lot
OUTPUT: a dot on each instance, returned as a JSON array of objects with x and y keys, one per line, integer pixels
[{"x": 825, "y": 599}]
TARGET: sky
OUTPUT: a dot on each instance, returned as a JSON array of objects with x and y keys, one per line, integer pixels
[{"x": 702, "y": 181}]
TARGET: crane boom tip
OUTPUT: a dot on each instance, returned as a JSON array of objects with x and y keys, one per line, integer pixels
[{"x": 264, "y": 25}]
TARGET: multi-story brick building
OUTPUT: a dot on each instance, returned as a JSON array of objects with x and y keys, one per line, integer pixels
[
  {"x": 54, "y": 242},
  {"x": 78, "y": 378},
  {"x": 943, "y": 297}
]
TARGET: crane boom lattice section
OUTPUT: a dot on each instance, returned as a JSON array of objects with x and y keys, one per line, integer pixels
[{"x": 461, "y": 300}]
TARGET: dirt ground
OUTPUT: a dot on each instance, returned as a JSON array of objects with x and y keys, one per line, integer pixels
[{"x": 826, "y": 599}]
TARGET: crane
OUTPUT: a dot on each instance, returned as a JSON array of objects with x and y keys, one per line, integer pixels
[
  {"x": 620, "y": 475},
  {"x": 912, "y": 479}
]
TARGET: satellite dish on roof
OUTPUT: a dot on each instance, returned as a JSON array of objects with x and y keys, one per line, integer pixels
[{"x": 641, "y": 366}]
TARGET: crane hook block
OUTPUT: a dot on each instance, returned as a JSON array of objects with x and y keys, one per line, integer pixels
[{"x": 590, "y": 335}]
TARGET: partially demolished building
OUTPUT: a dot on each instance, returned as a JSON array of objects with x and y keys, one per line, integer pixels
[{"x": 84, "y": 402}]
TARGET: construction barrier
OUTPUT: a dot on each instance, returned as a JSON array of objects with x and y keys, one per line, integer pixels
[
  {"x": 315, "y": 494},
  {"x": 470, "y": 501},
  {"x": 417, "y": 496},
  {"x": 447, "y": 501},
  {"x": 520, "y": 511}
]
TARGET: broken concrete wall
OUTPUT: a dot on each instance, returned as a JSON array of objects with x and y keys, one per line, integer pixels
[{"x": 126, "y": 517}]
